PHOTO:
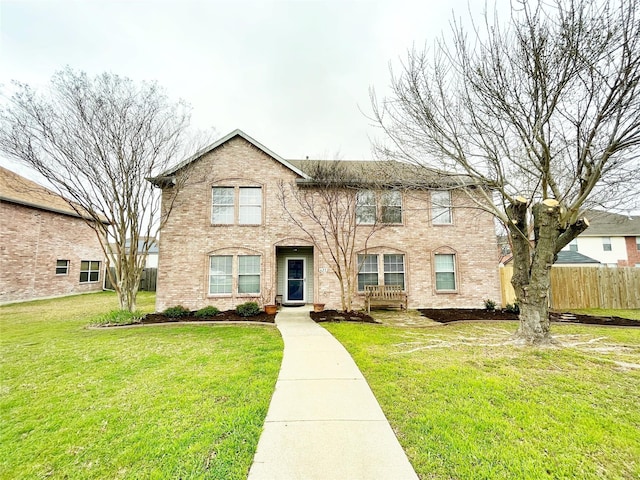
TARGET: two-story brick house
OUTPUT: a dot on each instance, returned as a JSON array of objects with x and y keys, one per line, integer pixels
[{"x": 229, "y": 238}]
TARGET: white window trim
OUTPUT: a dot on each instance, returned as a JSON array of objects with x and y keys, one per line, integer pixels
[
  {"x": 90, "y": 271},
  {"x": 380, "y": 268},
  {"x": 67, "y": 267},
  {"x": 448, "y": 206},
  {"x": 378, "y": 205},
  {"x": 455, "y": 273},
  {"x": 235, "y": 276},
  {"x": 236, "y": 206}
]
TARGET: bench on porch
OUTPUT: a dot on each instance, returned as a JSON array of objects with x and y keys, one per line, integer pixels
[{"x": 384, "y": 296}]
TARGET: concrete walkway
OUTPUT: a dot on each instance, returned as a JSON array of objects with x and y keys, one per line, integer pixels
[{"x": 323, "y": 421}]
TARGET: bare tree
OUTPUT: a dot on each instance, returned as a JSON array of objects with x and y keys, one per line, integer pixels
[
  {"x": 544, "y": 111},
  {"x": 324, "y": 208},
  {"x": 97, "y": 140}
]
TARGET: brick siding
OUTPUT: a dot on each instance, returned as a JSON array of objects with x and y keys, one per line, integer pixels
[
  {"x": 189, "y": 238},
  {"x": 31, "y": 241}
]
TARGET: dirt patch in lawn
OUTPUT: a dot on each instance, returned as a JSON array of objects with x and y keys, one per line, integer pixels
[
  {"x": 447, "y": 315},
  {"x": 336, "y": 316},
  {"x": 226, "y": 316}
]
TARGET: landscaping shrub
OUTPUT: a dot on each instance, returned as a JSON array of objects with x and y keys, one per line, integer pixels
[
  {"x": 209, "y": 311},
  {"x": 118, "y": 317},
  {"x": 513, "y": 308},
  {"x": 176, "y": 312},
  {"x": 490, "y": 305},
  {"x": 248, "y": 309}
]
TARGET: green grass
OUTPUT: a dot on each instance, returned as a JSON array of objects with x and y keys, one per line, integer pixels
[
  {"x": 467, "y": 404},
  {"x": 142, "y": 402},
  {"x": 633, "y": 314}
]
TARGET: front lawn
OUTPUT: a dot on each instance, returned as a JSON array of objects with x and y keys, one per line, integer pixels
[
  {"x": 142, "y": 402},
  {"x": 633, "y": 314},
  {"x": 467, "y": 404}
]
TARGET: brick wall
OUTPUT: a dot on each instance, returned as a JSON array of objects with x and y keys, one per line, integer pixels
[
  {"x": 633, "y": 254},
  {"x": 31, "y": 241},
  {"x": 189, "y": 238}
]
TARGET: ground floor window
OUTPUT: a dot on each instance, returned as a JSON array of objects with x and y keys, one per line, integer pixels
[
  {"x": 62, "y": 267},
  {"x": 89, "y": 271},
  {"x": 249, "y": 274},
  {"x": 392, "y": 267},
  {"x": 445, "y": 268},
  {"x": 224, "y": 269}
]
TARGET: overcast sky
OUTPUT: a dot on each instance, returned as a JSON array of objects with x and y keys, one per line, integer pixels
[{"x": 294, "y": 75}]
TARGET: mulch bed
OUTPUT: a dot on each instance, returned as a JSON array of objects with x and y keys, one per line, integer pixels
[
  {"x": 447, "y": 315},
  {"x": 336, "y": 316},
  {"x": 226, "y": 316}
]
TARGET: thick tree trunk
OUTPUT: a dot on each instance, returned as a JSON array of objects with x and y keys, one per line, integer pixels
[{"x": 531, "y": 278}]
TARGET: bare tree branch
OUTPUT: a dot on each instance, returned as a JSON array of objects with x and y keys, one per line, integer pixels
[
  {"x": 97, "y": 140},
  {"x": 544, "y": 107}
]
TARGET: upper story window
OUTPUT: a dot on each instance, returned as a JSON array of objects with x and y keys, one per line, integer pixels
[
  {"x": 223, "y": 205},
  {"x": 441, "y": 207},
  {"x": 237, "y": 205},
  {"x": 389, "y": 203},
  {"x": 638, "y": 244},
  {"x": 391, "y": 206},
  {"x": 606, "y": 244},
  {"x": 366, "y": 209},
  {"x": 573, "y": 245}
]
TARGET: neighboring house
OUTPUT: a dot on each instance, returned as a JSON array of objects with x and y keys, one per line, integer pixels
[
  {"x": 228, "y": 239},
  {"x": 151, "y": 260},
  {"x": 612, "y": 239},
  {"x": 565, "y": 258},
  {"x": 46, "y": 248}
]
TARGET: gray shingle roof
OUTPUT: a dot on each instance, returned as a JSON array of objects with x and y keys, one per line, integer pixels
[
  {"x": 567, "y": 256},
  {"x": 607, "y": 224}
]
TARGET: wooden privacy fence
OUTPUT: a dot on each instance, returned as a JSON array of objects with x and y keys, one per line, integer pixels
[
  {"x": 585, "y": 287},
  {"x": 147, "y": 282}
]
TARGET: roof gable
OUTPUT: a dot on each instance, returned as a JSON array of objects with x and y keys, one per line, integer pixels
[{"x": 163, "y": 177}]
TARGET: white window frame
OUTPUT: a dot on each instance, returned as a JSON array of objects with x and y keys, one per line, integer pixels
[
  {"x": 238, "y": 206},
  {"x": 232, "y": 275},
  {"x": 362, "y": 263},
  {"x": 226, "y": 206},
  {"x": 606, "y": 244},
  {"x": 223, "y": 274},
  {"x": 93, "y": 268},
  {"x": 441, "y": 208},
  {"x": 390, "y": 200},
  {"x": 638, "y": 244},
  {"x": 241, "y": 219},
  {"x": 60, "y": 267},
  {"x": 365, "y": 202},
  {"x": 437, "y": 271},
  {"x": 393, "y": 272},
  {"x": 380, "y": 266},
  {"x": 253, "y": 273}
]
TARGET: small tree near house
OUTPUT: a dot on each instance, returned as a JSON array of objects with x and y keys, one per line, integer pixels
[
  {"x": 544, "y": 111},
  {"x": 325, "y": 209},
  {"x": 97, "y": 140}
]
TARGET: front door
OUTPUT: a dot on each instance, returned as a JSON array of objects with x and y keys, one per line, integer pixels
[{"x": 295, "y": 281}]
